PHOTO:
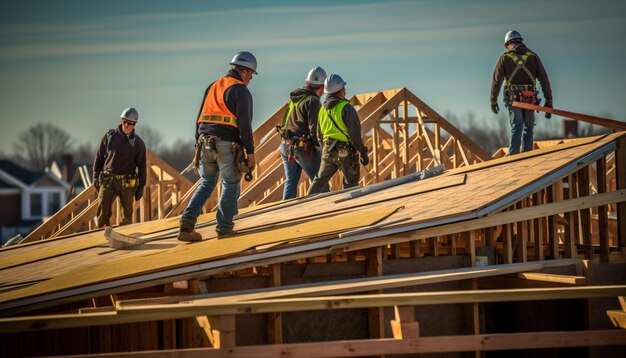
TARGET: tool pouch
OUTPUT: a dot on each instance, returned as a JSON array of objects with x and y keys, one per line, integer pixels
[
  {"x": 129, "y": 182},
  {"x": 527, "y": 97},
  {"x": 105, "y": 180},
  {"x": 344, "y": 150},
  {"x": 240, "y": 160}
]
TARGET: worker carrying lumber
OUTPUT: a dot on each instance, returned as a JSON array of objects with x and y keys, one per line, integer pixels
[
  {"x": 299, "y": 147},
  {"x": 519, "y": 67},
  {"x": 119, "y": 169},
  {"x": 339, "y": 131},
  {"x": 223, "y": 142}
]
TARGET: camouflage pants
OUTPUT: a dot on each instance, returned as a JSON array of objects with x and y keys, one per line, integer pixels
[{"x": 111, "y": 187}]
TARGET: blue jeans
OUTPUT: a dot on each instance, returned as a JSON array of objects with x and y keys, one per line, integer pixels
[
  {"x": 293, "y": 170},
  {"x": 522, "y": 123},
  {"x": 211, "y": 165}
]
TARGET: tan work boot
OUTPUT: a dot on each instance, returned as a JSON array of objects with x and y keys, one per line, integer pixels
[{"x": 187, "y": 233}]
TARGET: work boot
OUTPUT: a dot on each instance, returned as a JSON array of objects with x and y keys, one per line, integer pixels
[
  {"x": 187, "y": 233},
  {"x": 224, "y": 233}
]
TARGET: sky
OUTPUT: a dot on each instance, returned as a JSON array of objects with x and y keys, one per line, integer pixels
[{"x": 79, "y": 63}]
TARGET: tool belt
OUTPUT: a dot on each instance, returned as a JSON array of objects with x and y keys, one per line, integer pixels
[
  {"x": 295, "y": 144},
  {"x": 522, "y": 93},
  {"x": 341, "y": 149},
  {"x": 128, "y": 181},
  {"x": 241, "y": 163},
  {"x": 204, "y": 141}
]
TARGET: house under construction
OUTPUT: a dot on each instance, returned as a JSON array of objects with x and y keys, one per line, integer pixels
[{"x": 442, "y": 249}]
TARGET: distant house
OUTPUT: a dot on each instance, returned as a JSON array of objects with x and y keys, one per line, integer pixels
[
  {"x": 76, "y": 175},
  {"x": 27, "y": 198}
]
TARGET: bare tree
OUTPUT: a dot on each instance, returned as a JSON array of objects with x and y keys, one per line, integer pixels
[
  {"x": 85, "y": 153},
  {"x": 151, "y": 137},
  {"x": 40, "y": 144},
  {"x": 179, "y": 154}
]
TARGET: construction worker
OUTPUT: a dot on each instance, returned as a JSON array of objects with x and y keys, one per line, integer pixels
[
  {"x": 223, "y": 126},
  {"x": 299, "y": 148},
  {"x": 519, "y": 67},
  {"x": 119, "y": 169},
  {"x": 339, "y": 130}
]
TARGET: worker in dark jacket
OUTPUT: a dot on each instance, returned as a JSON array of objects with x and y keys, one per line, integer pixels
[
  {"x": 223, "y": 127},
  {"x": 519, "y": 67},
  {"x": 300, "y": 148},
  {"x": 339, "y": 129},
  {"x": 119, "y": 169}
]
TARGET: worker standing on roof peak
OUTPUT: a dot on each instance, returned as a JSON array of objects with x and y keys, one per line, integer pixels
[
  {"x": 519, "y": 67},
  {"x": 300, "y": 148},
  {"x": 339, "y": 129},
  {"x": 119, "y": 169},
  {"x": 223, "y": 133}
]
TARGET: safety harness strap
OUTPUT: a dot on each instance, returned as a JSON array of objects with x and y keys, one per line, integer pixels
[{"x": 520, "y": 63}]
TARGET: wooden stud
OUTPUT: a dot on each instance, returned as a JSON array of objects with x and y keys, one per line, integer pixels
[
  {"x": 275, "y": 326},
  {"x": 404, "y": 325},
  {"x": 620, "y": 165},
  {"x": 522, "y": 235},
  {"x": 603, "y": 223},
  {"x": 584, "y": 214},
  {"x": 375, "y": 315},
  {"x": 538, "y": 229}
]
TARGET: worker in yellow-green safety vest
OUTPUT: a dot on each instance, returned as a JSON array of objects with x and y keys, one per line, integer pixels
[
  {"x": 299, "y": 147},
  {"x": 339, "y": 131},
  {"x": 519, "y": 68}
]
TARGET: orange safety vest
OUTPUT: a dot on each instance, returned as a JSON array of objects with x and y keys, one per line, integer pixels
[{"x": 214, "y": 108}]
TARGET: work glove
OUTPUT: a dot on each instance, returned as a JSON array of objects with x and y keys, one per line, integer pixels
[
  {"x": 364, "y": 158},
  {"x": 548, "y": 104},
  {"x": 139, "y": 193},
  {"x": 494, "y": 107}
]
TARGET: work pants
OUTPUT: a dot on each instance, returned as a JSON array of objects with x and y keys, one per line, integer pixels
[
  {"x": 211, "y": 166},
  {"x": 310, "y": 162},
  {"x": 111, "y": 187},
  {"x": 522, "y": 124},
  {"x": 331, "y": 163}
]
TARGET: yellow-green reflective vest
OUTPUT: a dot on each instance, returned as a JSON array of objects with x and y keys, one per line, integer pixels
[
  {"x": 293, "y": 106},
  {"x": 331, "y": 122}
]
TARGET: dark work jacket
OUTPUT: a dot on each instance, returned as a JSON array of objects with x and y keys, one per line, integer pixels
[
  {"x": 120, "y": 157},
  {"x": 303, "y": 119},
  {"x": 505, "y": 67},
  {"x": 239, "y": 101},
  {"x": 352, "y": 121}
]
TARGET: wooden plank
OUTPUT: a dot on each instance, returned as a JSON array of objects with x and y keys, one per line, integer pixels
[
  {"x": 507, "y": 217},
  {"x": 404, "y": 325},
  {"x": 618, "y": 318},
  {"x": 605, "y": 122},
  {"x": 162, "y": 312},
  {"x": 362, "y": 284},
  {"x": 186, "y": 255},
  {"x": 545, "y": 277}
]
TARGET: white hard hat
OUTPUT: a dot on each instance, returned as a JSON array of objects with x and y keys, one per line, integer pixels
[
  {"x": 130, "y": 114},
  {"x": 512, "y": 35},
  {"x": 334, "y": 83},
  {"x": 316, "y": 76},
  {"x": 245, "y": 59}
]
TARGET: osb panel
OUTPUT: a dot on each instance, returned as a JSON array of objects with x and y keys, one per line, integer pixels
[{"x": 199, "y": 252}]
